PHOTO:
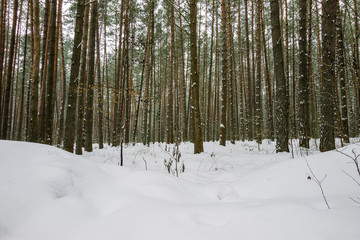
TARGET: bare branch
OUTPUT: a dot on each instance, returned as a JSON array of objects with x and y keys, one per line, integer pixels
[
  {"x": 358, "y": 183},
  {"x": 319, "y": 183}
]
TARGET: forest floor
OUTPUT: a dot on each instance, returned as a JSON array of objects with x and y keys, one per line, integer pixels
[{"x": 242, "y": 191}]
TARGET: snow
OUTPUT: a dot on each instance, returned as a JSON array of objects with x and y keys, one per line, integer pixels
[{"x": 232, "y": 192}]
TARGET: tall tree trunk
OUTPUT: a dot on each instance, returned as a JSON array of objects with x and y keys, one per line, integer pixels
[
  {"x": 130, "y": 90},
  {"x": 100, "y": 90},
  {"x": 282, "y": 100},
  {"x": 232, "y": 79},
  {"x": 216, "y": 122},
  {"x": 43, "y": 73},
  {"x": 258, "y": 89},
  {"x": 356, "y": 57},
  {"x": 45, "y": 40},
  {"x": 19, "y": 136},
  {"x": 209, "y": 103},
  {"x": 82, "y": 84},
  {"x": 2, "y": 50},
  {"x": 9, "y": 72},
  {"x": 312, "y": 87},
  {"x": 183, "y": 108},
  {"x": 250, "y": 112},
  {"x": 242, "y": 83},
  {"x": 304, "y": 124},
  {"x": 224, "y": 94},
  {"x": 56, "y": 68},
  {"x": 327, "y": 87},
  {"x": 35, "y": 52},
  {"x": 194, "y": 75},
  {"x": 268, "y": 85},
  {"x": 341, "y": 69},
  {"x": 63, "y": 96},
  {"x": 147, "y": 78},
  {"x": 51, "y": 80},
  {"x": 74, "y": 74},
  {"x": 170, "y": 90},
  {"x": 88, "y": 126}
]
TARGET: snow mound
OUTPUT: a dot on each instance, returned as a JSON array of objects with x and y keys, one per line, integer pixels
[{"x": 241, "y": 193}]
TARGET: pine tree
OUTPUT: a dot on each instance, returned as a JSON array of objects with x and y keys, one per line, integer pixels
[
  {"x": 282, "y": 100},
  {"x": 327, "y": 87},
  {"x": 194, "y": 76},
  {"x": 304, "y": 124},
  {"x": 51, "y": 80},
  {"x": 9, "y": 78},
  {"x": 224, "y": 94},
  {"x": 88, "y": 126},
  {"x": 74, "y": 74}
]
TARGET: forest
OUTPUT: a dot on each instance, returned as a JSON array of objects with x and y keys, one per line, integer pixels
[{"x": 84, "y": 72}]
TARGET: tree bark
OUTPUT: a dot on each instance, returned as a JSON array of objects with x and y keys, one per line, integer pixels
[
  {"x": 304, "y": 124},
  {"x": 82, "y": 84},
  {"x": 282, "y": 100},
  {"x": 194, "y": 75},
  {"x": 74, "y": 74},
  {"x": 88, "y": 126},
  {"x": 51, "y": 80},
  {"x": 224, "y": 94},
  {"x": 9, "y": 78},
  {"x": 327, "y": 87}
]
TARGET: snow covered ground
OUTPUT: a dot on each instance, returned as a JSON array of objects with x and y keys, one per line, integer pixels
[{"x": 233, "y": 192}]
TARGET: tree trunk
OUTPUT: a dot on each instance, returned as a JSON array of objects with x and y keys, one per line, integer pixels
[
  {"x": 224, "y": 94},
  {"x": 304, "y": 125},
  {"x": 327, "y": 87},
  {"x": 194, "y": 75},
  {"x": 19, "y": 136},
  {"x": 9, "y": 73},
  {"x": 82, "y": 84},
  {"x": 51, "y": 80},
  {"x": 100, "y": 90},
  {"x": 74, "y": 74},
  {"x": 341, "y": 68},
  {"x": 282, "y": 100},
  {"x": 250, "y": 112},
  {"x": 258, "y": 105},
  {"x": 170, "y": 90},
  {"x": 147, "y": 78},
  {"x": 88, "y": 126}
]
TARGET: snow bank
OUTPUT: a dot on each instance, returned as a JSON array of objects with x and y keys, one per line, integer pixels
[{"x": 234, "y": 192}]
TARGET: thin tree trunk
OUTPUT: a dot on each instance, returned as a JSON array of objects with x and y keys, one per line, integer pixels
[
  {"x": 88, "y": 126},
  {"x": 9, "y": 73},
  {"x": 170, "y": 90},
  {"x": 224, "y": 94},
  {"x": 209, "y": 103},
  {"x": 268, "y": 85},
  {"x": 147, "y": 78},
  {"x": 19, "y": 136},
  {"x": 63, "y": 97},
  {"x": 2, "y": 50},
  {"x": 100, "y": 90},
  {"x": 258, "y": 105},
  {"x": 198, "y": 139}
]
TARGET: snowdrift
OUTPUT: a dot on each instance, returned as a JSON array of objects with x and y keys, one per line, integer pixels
[{"x": 234, "y": 192}]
